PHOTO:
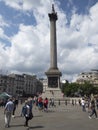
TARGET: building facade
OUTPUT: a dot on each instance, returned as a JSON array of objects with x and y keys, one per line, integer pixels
[
  {"x": 19, "y": 85},
  {"x": 91, "y": 77},
  {"x": 45, "y": 84}
]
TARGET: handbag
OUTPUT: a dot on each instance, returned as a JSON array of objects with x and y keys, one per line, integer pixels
[{"x": 30, "y": 115}]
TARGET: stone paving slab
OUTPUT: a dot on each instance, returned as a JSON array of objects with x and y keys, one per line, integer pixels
[{"x": 60, "y": 118}]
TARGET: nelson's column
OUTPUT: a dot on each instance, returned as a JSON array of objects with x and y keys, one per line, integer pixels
[{"x": 53, "y": 74}]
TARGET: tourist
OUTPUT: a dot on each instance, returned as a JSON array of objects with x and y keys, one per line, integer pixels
[
  {"x": 40, "y": 103},
  {"x": 97, "y": 103},
  {"x": 73, "y": 102},
  {"x": 66, "y": 102},
  {"x": 79, "y": 102},
  {"x": 8, "y": 112},
  {"x": 50, "y": 102},
  {"x": 27, "y": 112},
  {"x": 83, "y": 104},
  {"x": 93, "y": 109},
  {"x": 59, "y": 103},
  {"x": 30, "y": 102},
  {"x": 15, "y": 104},
  {"x": 53, "y": 103},
  {"x": 87, "y": 105},
  {"x": 46, "y": 104}
]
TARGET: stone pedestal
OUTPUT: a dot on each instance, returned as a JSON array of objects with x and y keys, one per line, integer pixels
[{"x": 53, "y": 93}]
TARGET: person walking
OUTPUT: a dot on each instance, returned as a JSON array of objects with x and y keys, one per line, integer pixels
[
  {"x": 46, "y": 104},
  {"x": 14, "y": 109},
  {"x": 83, "y": 104},
  {"x": 27, "y": 113},
  {"x": 93, "y": 109},
  {"x": 8, "y": 112}
]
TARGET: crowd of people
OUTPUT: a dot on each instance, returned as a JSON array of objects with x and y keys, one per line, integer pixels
[
  {"x": 90, "y": 105},
  {"x": 26, "y": 110},
  {"x": 87, "y": 105}
]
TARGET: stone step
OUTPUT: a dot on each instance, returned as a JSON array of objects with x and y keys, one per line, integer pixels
[{"x": 55, "y": 93}]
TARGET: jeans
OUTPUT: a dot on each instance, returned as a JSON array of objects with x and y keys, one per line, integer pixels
[
  {"x": 7, "y": 118},
  {"x": 93, "y": 112}
]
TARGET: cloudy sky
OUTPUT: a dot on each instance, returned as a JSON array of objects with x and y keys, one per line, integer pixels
[{"x": 25, "y": 36}]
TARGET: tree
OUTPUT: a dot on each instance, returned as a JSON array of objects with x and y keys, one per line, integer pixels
[
  {"x": 69, "y": 89},
  {"x": 75, "y": 89}
]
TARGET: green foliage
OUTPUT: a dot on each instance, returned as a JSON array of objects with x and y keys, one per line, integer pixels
[{"x": 75, "y": 89}]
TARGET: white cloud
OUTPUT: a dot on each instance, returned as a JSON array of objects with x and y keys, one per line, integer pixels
[
  {"x": 17, "y": 4},
  {"x": 73, "y": 40},
  {"x": 28, "y": 48},
  {"x": 26, "y": 4}
]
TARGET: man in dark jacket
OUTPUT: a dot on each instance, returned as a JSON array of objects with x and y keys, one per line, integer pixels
[{"x": 93, "y": 109}]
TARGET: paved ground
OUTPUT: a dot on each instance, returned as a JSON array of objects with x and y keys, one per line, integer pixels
[{"x": 60, "y": 118}]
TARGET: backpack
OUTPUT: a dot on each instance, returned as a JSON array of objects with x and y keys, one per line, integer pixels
[{"x": 24, "y": 110}]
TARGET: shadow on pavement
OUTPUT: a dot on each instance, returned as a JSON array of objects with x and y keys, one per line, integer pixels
[
  {"x": 34, "y": 127},
  {"x": 19, "y": 125}
]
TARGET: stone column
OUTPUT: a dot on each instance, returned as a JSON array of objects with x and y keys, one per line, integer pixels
[
  {"x": 53, "y": 44},
  {"x": 53, "y": 73}
]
